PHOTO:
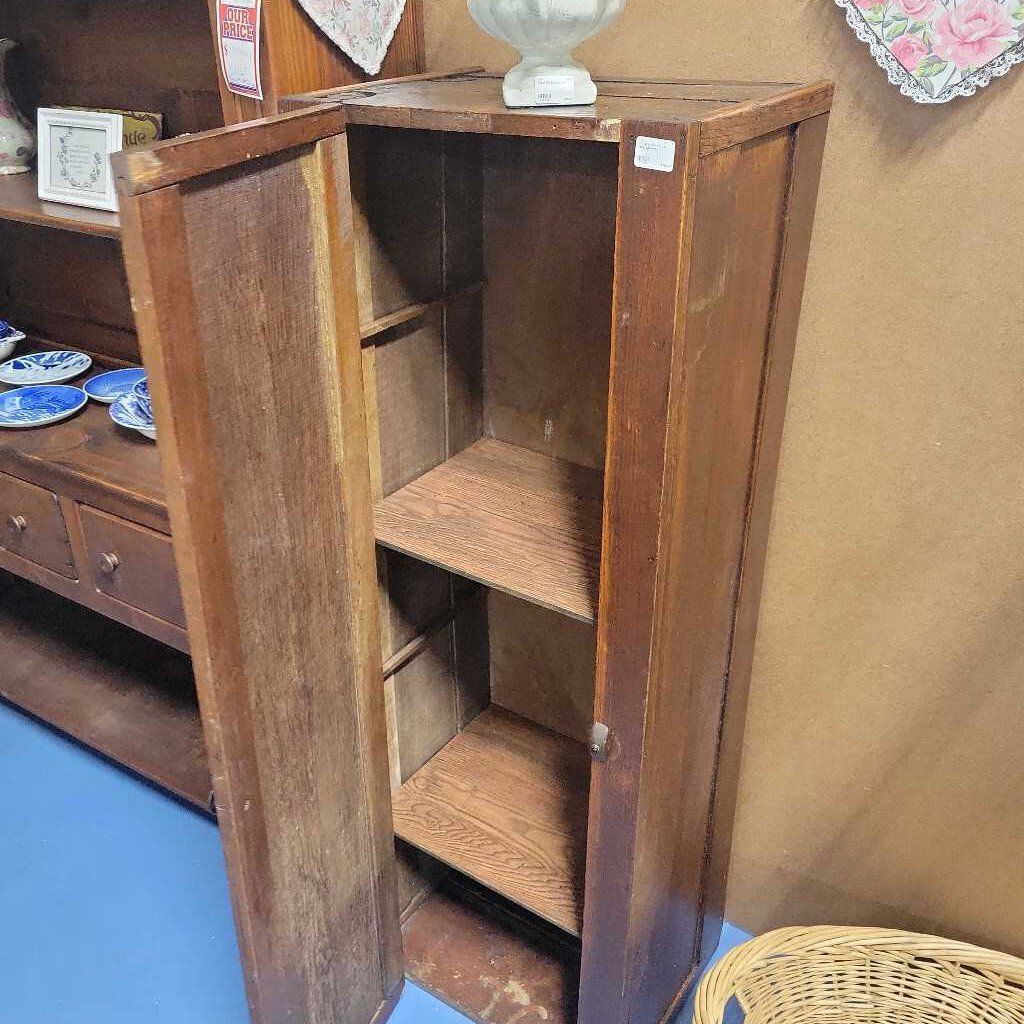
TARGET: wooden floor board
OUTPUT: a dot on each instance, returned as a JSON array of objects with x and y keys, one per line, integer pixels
[
  {"x": 505, "y": 803},
  {"x": 517, "y": 521}
]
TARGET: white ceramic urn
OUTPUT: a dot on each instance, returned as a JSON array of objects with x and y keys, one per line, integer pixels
[{"x": 545, "y": 32}]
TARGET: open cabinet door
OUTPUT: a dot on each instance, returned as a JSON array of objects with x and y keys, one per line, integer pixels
[{"x": 238, "y": 245}]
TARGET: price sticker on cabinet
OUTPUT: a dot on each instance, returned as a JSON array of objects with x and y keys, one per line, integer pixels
[
  {"x": 238, "y": 32},
  {"x": 555, "y": 88},
  {"x": 654, "y": 154}
]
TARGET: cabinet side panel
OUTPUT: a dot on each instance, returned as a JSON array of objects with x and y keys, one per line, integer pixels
[
  {"x": 244, "y": 286},
  {"x": 809, "y": 142},
  {"x": 717, "y": 375}
]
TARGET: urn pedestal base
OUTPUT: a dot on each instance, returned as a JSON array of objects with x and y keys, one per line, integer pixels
[{"x": 550, "y": 80}]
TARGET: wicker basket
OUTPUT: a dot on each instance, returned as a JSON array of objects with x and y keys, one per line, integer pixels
[{"x": 862, "y": 976}]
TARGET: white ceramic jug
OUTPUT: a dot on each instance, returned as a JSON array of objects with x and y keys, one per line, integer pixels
[
  {"x": 545, "y": 32},
  {"x": 17, "y": 137}
]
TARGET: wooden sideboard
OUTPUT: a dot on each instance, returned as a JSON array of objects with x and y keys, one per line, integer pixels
[
  {"x": 94, "y": 642},
  {"x": 470, "y": 421}
]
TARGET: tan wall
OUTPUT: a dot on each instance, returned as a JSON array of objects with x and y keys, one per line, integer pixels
[{"x": 883, "y": 776}]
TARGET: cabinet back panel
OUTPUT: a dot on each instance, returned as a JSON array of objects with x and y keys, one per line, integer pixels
[
  {"x": 68, "y": 288},
  {"x": 158, "y": 56},
  {"x": 397, "y": 203},
  {"x": 549, "y": 238},
  {"x": 542, "y": 665}
]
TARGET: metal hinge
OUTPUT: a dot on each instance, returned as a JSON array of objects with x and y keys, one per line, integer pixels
[{"x": 599, "y": 741}]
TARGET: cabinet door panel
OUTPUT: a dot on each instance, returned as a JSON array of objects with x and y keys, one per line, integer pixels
[{"x": 239, "y": 249}]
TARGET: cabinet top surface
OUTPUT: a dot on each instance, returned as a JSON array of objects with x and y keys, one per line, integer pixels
[
  {"x": 91, "y": 459},
  {"x": 472, "y": 102}
]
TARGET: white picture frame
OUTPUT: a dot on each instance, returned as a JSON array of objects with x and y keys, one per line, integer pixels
[{"x": 74, "y": 156}]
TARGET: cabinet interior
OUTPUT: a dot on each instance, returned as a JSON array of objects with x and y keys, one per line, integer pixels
[{"x": 486, "y": 378}]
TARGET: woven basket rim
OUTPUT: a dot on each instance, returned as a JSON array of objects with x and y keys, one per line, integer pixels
[{"x": 721, "y": 981}]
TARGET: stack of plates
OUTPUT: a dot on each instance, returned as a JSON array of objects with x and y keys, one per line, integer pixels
[{"x": 134, "y": 410}]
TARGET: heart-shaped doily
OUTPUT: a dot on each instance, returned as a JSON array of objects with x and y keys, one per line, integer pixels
[
  {"x": 936, "y": 50},
  {"x": 362, "y": 28}
]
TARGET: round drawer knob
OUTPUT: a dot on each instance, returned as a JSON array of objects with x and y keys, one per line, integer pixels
[
  {"x": 109, "y": 563},
  {"x": 17, "y": 524}
]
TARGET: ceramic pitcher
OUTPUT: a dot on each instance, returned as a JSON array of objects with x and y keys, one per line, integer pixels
[{"x": 17, "y": 137}]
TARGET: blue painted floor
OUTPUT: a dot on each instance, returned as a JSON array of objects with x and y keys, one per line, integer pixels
[{"x": 113, "y": 899}]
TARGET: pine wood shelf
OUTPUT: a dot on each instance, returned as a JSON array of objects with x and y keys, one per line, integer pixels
[
  {"x": 505, "y": 803},
  {"x": 113, "y": 689},
  {"x": 506, "y": 517},
  {"x": 19, "y": 201}
]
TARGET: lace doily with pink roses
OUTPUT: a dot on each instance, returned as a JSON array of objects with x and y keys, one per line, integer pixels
[
  {"x": 362, "y": 28},
  {"x": 936, "y": 50}
]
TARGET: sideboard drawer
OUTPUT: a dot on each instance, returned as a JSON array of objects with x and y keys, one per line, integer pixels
[
  {"x": 32, "y": 526},
  {"x": 133, "y": 564}
]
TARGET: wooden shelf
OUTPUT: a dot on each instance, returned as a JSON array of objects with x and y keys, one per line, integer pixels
[
  {"x": 115, "y": 690},
  {"x": 507, "y": 517},
  {"x": 505, "y": 803},
  {"x": 19, "y": 200}
]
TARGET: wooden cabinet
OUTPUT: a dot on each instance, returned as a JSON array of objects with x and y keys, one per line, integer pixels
[
  {"x": 469, "y": 451},
  {"x": 94, "y": 642}
]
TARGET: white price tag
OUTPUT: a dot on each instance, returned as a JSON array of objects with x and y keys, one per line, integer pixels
[
  {"x": 555, "y": 88},
  {"x": 655, "y": 154}
]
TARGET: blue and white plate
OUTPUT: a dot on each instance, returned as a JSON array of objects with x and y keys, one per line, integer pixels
[
  {"x": 44, "y": 368},
  {"x": 105, "y": 387},
  {"x": 135, "y": 411},
  {"x": 39, "y": 405}
]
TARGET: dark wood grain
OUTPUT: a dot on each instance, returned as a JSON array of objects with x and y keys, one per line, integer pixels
[
  {"x": 547, "y": 328},
  {"x": 19, "y": 201},
  {"x": 762, "y": 115},
  {"x": 32, "y": 526},
  {"x": 131, "y": 563},
  {"x": 178, "y": 160},
  {"x": 490, "y": 961},
  {"x": 542, "y": 665},
  {"x": 505, "y": 803},
  {"x": 652, "y": 229},
  {"x": 801, "y": 200},
  {"x": 472, "y": 102},
  {"x": 716, "y": 384},
  {"x": 272, "y": 519},
  {"x": 506, "y": 517},
  {"x": 108, "y": 686},
  {"x": 69, "y": 288},
  {"x": 105, "y": 53}
]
